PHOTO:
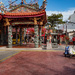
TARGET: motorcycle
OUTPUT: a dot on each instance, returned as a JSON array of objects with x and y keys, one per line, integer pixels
[{"x": 69, "y": 51}]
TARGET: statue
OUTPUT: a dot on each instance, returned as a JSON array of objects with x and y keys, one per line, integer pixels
[
  {"x": 44, "y": 5},
  {"x": 23, "y": 1},
  {"x": 2, "y": 7}
]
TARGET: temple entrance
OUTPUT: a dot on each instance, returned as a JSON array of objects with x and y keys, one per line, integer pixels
[{"x": 27, "y": 38}]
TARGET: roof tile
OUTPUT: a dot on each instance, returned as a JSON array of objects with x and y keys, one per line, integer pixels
[{"x": 26, "y": 13}]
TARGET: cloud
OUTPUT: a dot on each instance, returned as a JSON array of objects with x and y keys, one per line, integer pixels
[{"x": 65, "y": 14}]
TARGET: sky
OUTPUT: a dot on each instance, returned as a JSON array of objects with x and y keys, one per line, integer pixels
[{"x": 66, "y": 7}]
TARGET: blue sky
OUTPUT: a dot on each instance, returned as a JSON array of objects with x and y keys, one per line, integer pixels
[
  {"x": 53, "y": 5},
  {"x": 66, "y": 7},
  {"x": 60, "y": 5}
]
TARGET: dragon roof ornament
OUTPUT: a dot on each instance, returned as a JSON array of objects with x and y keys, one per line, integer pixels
[{"x": 43, "y": 5}]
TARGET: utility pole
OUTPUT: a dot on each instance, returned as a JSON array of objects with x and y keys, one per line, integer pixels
[
  {"x": 66, "y": 28},
  {"x": 66, "y": 33}
]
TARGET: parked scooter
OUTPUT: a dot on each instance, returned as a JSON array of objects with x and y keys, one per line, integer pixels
[{"x": 69, "y": 51}]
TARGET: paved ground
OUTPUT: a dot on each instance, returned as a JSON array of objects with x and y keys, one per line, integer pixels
[
  {"x": 38, "y": 63},
  {"x": 28, "y": 45},
  {"x": 6, "y": 54},
  {"x": 31, "y": 47}
]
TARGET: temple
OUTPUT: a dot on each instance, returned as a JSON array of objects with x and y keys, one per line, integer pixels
[{"x": 19, "y": 17}]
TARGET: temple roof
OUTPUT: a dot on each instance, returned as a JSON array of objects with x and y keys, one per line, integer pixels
[
  {"x": 23, "y": 10},
  {"x": 22, "y": 15},
  {"x": 25, "y": 13}
]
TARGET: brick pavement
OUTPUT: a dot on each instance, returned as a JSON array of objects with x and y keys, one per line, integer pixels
[{"x": 38, "y": 63}]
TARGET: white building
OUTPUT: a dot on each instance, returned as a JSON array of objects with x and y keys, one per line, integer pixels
[
  {"x": 70, "y": 26},
  {"x": 72, "y": 17}
]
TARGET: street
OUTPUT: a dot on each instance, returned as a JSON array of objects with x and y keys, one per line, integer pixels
[{"x": 6, "y": 54}]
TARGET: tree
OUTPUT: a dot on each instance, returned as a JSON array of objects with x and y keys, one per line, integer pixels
[{"x": 54, "y": 19}]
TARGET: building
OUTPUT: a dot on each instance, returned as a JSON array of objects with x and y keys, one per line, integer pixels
[
  {"x": 21, "y": 16},
  {"x": 72, "y": 17},
  {"x": 69, "y": 27}
]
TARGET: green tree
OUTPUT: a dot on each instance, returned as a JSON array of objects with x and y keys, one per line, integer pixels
[{"x": 55, "y": 19}]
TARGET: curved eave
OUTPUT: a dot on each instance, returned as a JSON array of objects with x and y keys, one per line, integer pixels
[
  {"x": 22, "y": 15},
  {"x": 45, "y": 19}
]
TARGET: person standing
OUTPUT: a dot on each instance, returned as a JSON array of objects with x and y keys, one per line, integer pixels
[
  {"x": 73, "y": 39},
  {"x": 58, "y": 39}
]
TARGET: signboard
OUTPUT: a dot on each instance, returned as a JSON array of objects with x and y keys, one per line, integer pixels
[{"x": 16, "y": 23}]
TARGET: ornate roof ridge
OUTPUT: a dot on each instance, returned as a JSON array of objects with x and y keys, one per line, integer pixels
[{"x": 33, "y": 7}]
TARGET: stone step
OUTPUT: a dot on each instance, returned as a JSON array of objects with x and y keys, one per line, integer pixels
[{"x": 2, "y": 47}]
